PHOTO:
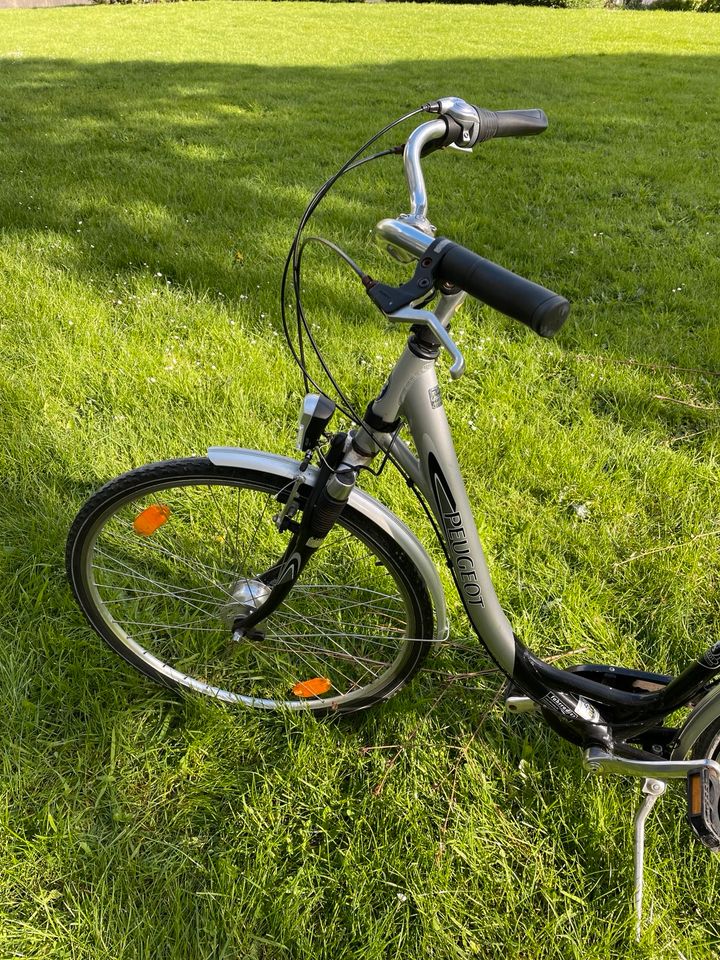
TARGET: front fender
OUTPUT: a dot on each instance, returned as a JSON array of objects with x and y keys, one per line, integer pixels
[{"x": 362, "y": 502}]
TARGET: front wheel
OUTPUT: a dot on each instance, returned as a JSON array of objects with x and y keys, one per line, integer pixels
[{"x": 164, "y": 559}]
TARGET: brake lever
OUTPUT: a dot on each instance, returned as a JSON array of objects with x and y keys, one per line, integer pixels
[{"x": 426, "y": 317}]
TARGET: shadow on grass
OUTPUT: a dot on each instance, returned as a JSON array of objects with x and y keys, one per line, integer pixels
[{"x": 200, "y": 170}]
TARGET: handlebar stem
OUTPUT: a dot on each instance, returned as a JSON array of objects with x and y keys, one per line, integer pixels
[
  {"x": 422, "y": 135},
  {"x": 401, "y": 233}
]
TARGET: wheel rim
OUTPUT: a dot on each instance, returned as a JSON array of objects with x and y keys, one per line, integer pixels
[
  {"x": 168, "y": 568},
  {"x": 714, "y": 747}
]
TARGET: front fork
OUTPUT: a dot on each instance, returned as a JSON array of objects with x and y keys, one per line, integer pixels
[
  {"x": 326, "y": 502},
  {"x": 348, "y": 454}
]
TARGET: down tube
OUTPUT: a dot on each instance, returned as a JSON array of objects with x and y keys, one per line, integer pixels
[{"x": 422, "y": 406}]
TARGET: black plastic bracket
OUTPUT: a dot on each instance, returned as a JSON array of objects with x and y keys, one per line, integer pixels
[
  {"x": 377, "y": 424},
  {"x": 421, "y": 286}
]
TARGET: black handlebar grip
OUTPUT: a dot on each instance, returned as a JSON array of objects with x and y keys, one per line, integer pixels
[
  {"x": 521, "y": 123},
  {"x": 510, "y": 123},
  {"x": 537, "y": 307}
]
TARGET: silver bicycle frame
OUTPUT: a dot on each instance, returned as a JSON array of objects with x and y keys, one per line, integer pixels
[{"x": 412, "y": 391}]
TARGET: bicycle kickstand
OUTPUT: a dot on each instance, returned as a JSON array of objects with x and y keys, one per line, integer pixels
[{"x": 652, "y": 790}]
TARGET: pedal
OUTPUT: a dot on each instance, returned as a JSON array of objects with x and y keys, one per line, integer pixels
[
  {"x": 520, "y": 704},
  {"x": 703, "y": 793}
]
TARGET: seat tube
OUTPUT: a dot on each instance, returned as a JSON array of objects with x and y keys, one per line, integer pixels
[{"x": 423, "y": 409}]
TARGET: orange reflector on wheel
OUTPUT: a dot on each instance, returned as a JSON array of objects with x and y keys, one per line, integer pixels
[
  {"x": 312, "y": 688},
  {"x": 152, "y": 517}
]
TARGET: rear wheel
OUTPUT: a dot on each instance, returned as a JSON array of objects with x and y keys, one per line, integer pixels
[
  {"x": 165, "y": 558},
  {"x": 708, "y": 743}
]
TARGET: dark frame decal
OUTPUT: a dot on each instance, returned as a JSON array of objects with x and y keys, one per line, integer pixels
[{"x": 455, "y": 538}]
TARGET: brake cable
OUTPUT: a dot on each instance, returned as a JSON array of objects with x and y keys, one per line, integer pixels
[{"x": 294, "y": 259}]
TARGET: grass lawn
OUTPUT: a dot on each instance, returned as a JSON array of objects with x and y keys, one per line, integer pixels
[{"x": 154, "y": 162}]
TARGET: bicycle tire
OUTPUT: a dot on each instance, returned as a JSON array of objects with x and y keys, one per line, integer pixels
[
  {"x": 708, "y": 743},
  {"x": 197, "y": 610}
]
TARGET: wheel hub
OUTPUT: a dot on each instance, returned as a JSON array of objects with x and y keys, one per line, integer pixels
[{"x": 245, "y": 597}]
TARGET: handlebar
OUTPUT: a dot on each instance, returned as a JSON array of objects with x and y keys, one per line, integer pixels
[
  {"x": 520, "y": 123},
  {"x": 468, "y": 124},
  {"x": 535, "y": 306},
  {"x": 463, "y": 125}
]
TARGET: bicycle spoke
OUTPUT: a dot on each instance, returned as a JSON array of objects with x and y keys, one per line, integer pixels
[
  {"x": 348, "y": 634},
  {"x": 313, "y": 669},
  {"x": 367, "y": 608},
  {"x": 383, "y": 622},
  {"x": 196, "y": 566},
  {"x": 339, "y": 654},
  {"x": 228, "y": 534},
  {"x": 177, "y": 592},
  {"x": 180, "y": 593},
  {"x": 266, "y": 507},
  {"x": 154, "y": 627},
  {"x": 137, "y": 576},
  {"x": 323, "y": 633}
]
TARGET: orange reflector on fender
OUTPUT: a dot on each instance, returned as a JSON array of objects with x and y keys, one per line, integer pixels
[
  {"x": 312, "y": 688},
  {"x": 152, "y": 517}
]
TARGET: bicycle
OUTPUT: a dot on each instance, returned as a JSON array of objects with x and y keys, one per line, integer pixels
[{"x": 276, "y": 583}]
